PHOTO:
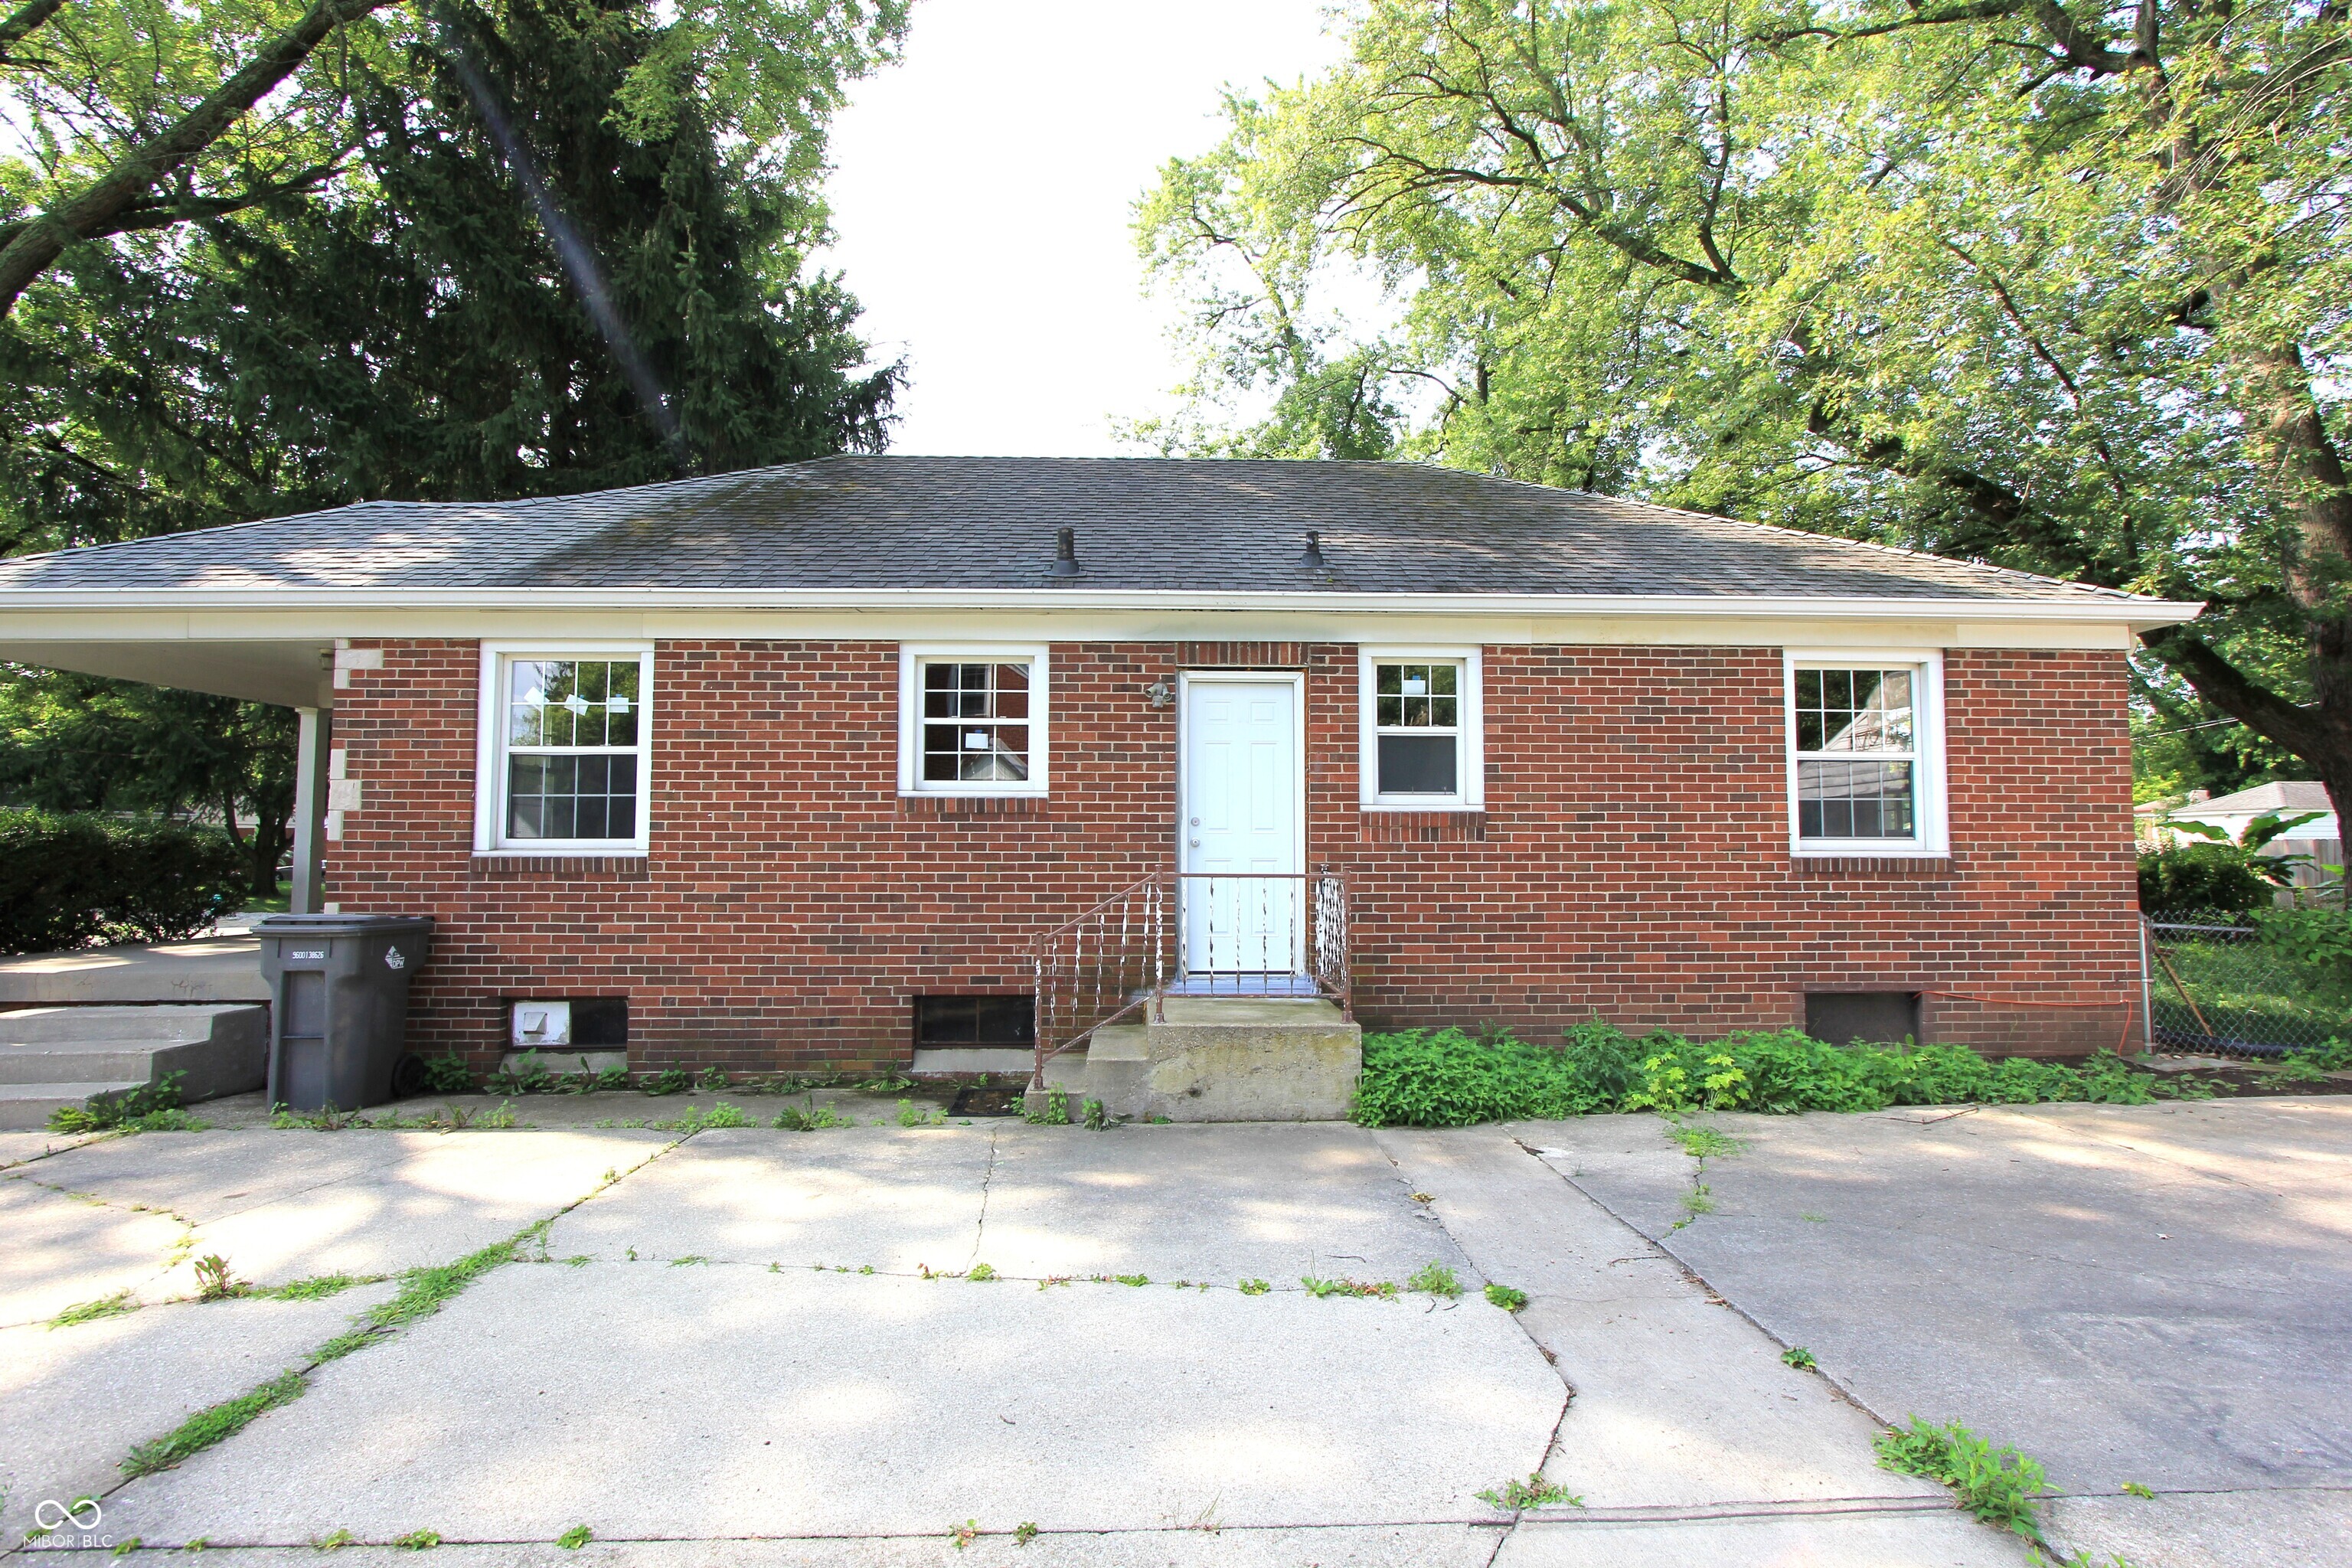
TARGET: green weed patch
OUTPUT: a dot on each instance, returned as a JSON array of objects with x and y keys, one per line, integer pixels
[
  {"x": 212, "y": 1425},
  {"x": 1449, "y": 1078},
  {"x": 2000, "y": 1486}
]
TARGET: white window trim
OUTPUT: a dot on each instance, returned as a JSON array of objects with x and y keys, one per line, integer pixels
[
  {"x": 1472, "y": 775},
  {"x": 1932, "y": 818},
  {"x": 490, "y": 751},
  {"x": 911, "y": 659}
]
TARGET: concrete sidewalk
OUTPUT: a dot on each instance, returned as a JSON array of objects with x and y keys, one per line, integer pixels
[
  {"x": 224, "y": 968},
  {"x": 697, "y": 1366},
  {"x": 2144, "y": 1294}
]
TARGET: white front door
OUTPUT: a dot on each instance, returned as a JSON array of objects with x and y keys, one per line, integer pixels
[{"x": 1241, "y": 827}]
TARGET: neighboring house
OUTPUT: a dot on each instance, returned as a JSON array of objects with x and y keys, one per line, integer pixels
[
  {"x": 2321, "y": 840},
  {"x": 792, "y": 768}
]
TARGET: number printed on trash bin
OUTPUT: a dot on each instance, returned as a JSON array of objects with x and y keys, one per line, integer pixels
[{"x": 307, "y": 952}]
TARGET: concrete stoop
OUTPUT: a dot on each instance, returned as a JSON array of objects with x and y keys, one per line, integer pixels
[
  {"x": 52, "y": 1057},
  {"x": 1222, "y": 1058}
]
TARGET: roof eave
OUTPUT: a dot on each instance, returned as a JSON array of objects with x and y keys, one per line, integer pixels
[{"x": 2140, "y": 614}]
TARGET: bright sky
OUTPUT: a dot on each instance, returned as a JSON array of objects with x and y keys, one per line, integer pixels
[{"x": 982, "y": 198}]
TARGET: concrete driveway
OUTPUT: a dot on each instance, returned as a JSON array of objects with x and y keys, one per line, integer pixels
[{"x": 752, "y": 1346}]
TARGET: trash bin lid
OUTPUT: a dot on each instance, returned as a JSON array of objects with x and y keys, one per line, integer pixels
[{"x": 341, "y": 925}]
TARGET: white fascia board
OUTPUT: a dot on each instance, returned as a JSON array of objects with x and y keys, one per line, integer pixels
[{"x": 2134, "y": 612}]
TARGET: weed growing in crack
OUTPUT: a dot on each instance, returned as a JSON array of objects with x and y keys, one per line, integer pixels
[
  {"x": 1057, "y": 1109},
  {"x": 965, "y": 1534},
  {"x": 911, "y": 1115},
  {"x": 574, "y": 1539},
  {"x": 336, "y": 1542},
  {"x": 713, "y": 1077},
  {"x": 1508, "y": 1298},
  {"x": 319, "y": 1287},
  {"x": 417, "y": 1540},
  {"x": 1138, "y": 1281},
  {"x": 810, "y": 1117},
  {"x": 1024, "y": 1533},
  {"x": 424, "y": 1292},
  {"x": 1533, "y": 1492},
  {"x": 1052, "y": 1280},
  {"x": 1703, "y": 1142},
  {"x": 1096, "y": 1118},
  {"x": 1381, "y": 1290},
  {"x": 2133, "y": 1488},
  {"x": 215, "y": 1282},
  {"x": 212, "y": 1425},
  {"x": 1798, "y": 1357},
  {"x": 980, "y": 1274},
  {"x": 2000, "y": 1486},
  {"x": 1254, "y": 1286},
  {"x": 112, "y": 1305},
  {"x": 1434, "y": 1278},
  {"x": 688, "y": 1259}
]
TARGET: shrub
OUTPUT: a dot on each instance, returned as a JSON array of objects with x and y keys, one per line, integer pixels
[
  {"x": 1445, "y": 1078},
  {"x": 69, "y": 880},
  {"x": 2202, "y": 876}
]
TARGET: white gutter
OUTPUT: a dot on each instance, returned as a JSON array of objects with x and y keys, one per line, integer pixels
[{"x": 2137, "y": 612}]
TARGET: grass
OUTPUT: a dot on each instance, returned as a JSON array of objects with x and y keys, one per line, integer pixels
[
  {"x": 1704, "y": 1142},
  {"x": 317, "y": 1288},
  {"x": 1447, "y": 1078},
  {"x": 210, "y": 1426},
  {"x": 1434, "y": 1278},
  {"x": 424, "y": 1292},
  {"x": 2000, "y": 1486},
  {"x": 1533, "y": 1492},
  {"x": 112, "y": 1305},
  {"x": 809, "y": 1118}
]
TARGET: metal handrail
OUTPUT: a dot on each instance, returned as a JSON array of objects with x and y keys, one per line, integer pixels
[{"x": 1121, "y": 954}]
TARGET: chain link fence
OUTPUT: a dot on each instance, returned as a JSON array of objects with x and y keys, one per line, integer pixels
[{"x": 2242, "y": 985}]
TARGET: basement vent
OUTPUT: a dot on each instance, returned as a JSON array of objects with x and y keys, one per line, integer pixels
[
  {"x": 1876, "y": 1017},
  {"x": 976, "y": 1021}
]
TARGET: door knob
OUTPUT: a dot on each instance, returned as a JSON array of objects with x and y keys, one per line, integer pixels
[{"x": 1196, "y": 844}]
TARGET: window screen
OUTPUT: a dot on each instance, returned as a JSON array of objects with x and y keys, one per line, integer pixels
[
  {"x": 975, "y": 724},
  {"x": 1417, "y": 725},
  {"x": 1857, "y": 758},
  {"x": 572, "y": 749}
]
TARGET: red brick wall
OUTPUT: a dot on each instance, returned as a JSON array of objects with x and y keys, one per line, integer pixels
[{"x": 1632, "y": 860}]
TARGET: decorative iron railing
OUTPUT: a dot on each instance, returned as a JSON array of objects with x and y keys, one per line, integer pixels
[{"x": 1177, "y": 933}]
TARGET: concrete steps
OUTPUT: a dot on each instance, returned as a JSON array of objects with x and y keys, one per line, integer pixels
[
  {"x": 52, "y": 1057},
  {"x": 1225, "y": 1058}
]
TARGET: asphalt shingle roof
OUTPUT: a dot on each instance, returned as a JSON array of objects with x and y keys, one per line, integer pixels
[{"x": 1209, "y": 526}]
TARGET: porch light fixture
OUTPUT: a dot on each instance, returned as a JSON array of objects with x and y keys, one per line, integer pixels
[
  {"x": 1158, "y": 695},
  {"x": 1313, "y": 555},
  {"x": 1066, "y": 554}
]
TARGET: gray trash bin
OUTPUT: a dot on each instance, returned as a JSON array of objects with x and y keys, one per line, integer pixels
[{"x": 338, "y": 1007}]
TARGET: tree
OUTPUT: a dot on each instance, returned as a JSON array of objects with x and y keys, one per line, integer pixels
[
  {"x": 139, "y": 111},
  {"x": 75, "y": 743},
  {"x": 2058, "y": 287}
]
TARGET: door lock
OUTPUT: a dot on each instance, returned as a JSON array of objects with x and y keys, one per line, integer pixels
[
  {"x": 1196, "y": 844},
  {"x": 1196, "y": 822}
]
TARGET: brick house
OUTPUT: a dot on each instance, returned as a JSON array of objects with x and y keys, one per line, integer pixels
[{"x": 796, "y": 767}]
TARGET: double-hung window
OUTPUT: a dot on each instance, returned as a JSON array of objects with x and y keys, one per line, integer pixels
[
  {"x": 972, "y": 720},
  {"x": 1421, "y": 742},
  {"x": 1865, "y": 755},
  {"x": 565, "y": 740}
]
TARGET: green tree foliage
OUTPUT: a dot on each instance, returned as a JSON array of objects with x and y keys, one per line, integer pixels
[
  {"x": 2059, "y": 287},
  {"x": 78, "y": 743}
]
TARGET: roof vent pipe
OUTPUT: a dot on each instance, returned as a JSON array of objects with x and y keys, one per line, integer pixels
[
  {"x": 1066, "y": 553},
  {"x": 1314, "y": 554}
]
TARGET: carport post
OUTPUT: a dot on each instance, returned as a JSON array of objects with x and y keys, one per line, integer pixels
[{"x": 310, "y": 805}]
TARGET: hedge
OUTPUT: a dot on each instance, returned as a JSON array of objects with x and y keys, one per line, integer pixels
[{"x": 68, "y": 880}]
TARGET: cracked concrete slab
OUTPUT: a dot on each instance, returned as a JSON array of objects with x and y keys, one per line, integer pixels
[
  {"x": 895, "y": 1199},
  {"x": 1945, "y": 1538},
  {"x": 63, "y": 1251},
  {"x": 21, "y": 1148},
  {"x": 2127, "y": 1293},
  {"x": 2283, "y": 1528},
  {"x": 1344, "y": 1546},
  {"x": 283, "y": 1206},
  {"x": 1680, "y": 1401},
  {"x": 74, "y": 1401},
  {"x": 651, "y": 1400},
  {"x": 1219, "y": 1203}
]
